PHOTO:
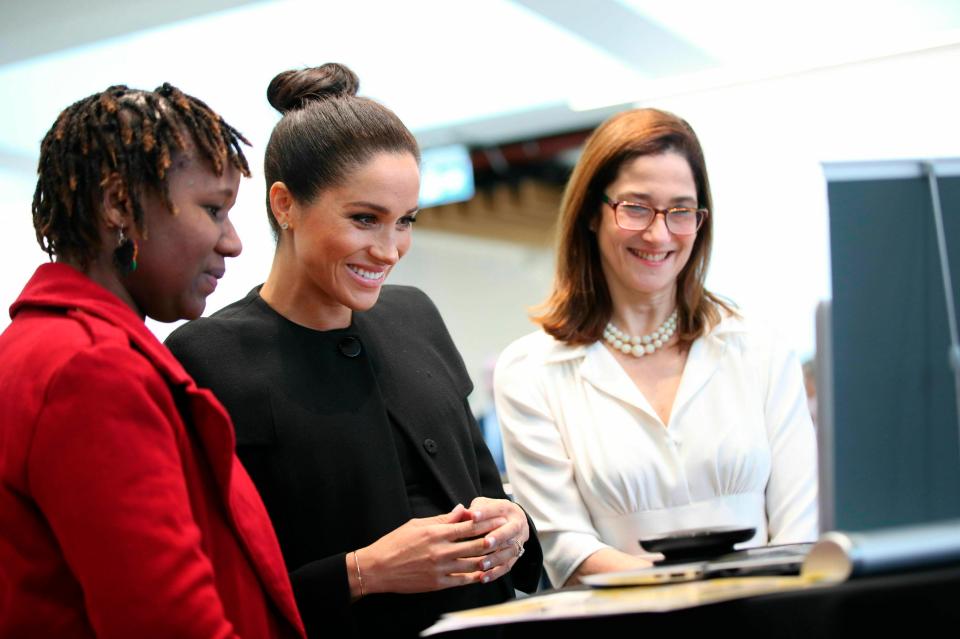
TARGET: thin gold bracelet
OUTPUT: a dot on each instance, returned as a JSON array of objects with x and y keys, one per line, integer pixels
[{"x": 356, "y": 562}]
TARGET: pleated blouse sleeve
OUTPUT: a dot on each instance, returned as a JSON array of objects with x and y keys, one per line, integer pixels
[
  {"x": 791, "y": 495},
  {"x": 538, "y": 466}
]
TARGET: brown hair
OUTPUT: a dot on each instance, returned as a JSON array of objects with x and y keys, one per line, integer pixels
[
  {"x": 125, "y": 132},
  {"x": 579, "y": 307},
  {"x": 326, "y": 131}
]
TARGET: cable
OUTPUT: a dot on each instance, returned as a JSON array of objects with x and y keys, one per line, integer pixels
[{"x": 953, "y": 353}]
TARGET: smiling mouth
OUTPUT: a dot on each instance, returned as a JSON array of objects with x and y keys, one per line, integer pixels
[
  {"x": 650, "y": 257},
  {"x": 370, "y": 276}
]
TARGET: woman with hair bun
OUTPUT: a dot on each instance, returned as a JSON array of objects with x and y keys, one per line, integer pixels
[
  {"x": 349, "y": 397},
  {"x": 124, "y": 511}
]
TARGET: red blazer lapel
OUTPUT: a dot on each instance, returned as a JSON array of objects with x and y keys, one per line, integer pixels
[{"x": 244, "y": 506}]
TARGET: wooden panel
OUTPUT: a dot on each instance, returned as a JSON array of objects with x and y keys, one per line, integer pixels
[{"x": 524, "y": 213}]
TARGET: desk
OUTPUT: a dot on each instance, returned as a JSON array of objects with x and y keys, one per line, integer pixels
[{"x": 918, "y": 601}]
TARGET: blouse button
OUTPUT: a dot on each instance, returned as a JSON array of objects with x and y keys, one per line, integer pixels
[
  {"x": 430, "y": 446},
  {"x": 349, "y": 346}
]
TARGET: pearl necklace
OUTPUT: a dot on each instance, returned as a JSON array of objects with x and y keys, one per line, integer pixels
[{"x": 644, "y": 344}]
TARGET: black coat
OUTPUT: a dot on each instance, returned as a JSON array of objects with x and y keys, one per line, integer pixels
[{"x": 312, "y": 432}]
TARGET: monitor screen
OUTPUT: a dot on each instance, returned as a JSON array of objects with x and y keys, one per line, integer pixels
[
  {"x": 887, "y": 407},
  {"x": 446, "y": 175}
]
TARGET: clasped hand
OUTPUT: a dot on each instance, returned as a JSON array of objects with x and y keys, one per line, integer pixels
[{"x": 467, "y": 545}]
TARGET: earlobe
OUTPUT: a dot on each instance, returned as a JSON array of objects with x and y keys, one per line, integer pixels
[
  {"x": 594, "y": 222},
  {"x": 281, "y": 204}
]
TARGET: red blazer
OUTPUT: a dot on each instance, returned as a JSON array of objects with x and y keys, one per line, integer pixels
[{"x": 123, "y": 509}]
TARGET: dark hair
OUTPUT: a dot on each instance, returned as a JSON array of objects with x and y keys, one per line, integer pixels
[
  {"x": 326, "y": 131},
  {"x": 579, "y": 305},
  {"x": 129, "y": 133}
]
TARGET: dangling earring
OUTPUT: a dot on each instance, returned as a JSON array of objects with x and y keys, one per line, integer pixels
[{"x": 125, "y": 255}]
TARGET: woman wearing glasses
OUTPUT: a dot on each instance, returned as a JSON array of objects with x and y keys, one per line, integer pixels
[{"x": 646, "y": 404}]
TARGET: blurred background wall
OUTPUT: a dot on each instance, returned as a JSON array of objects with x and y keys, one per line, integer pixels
[{"x": 774, "y": 89}]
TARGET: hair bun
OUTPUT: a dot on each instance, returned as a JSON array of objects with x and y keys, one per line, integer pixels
[{"x": 294, "y": 89}]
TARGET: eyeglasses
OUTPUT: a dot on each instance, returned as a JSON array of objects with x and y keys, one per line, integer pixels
[{"x": 631, "y": 216}]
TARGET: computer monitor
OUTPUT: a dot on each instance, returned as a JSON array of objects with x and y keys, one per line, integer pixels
[
  {"x": 446, "y": 175},
  {"x": 887, "y": 408}
]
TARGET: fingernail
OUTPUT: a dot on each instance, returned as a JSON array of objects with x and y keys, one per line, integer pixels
[
  {"x": 501, "y": 521},
  {"x": 490, "y": 541},
  {"x": 478, "y": 514},
  {"x": 486, "y": 564},
  {"x": 485, "y": 579}
]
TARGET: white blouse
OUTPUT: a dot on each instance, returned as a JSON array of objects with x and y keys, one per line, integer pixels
[{"x": 595, "y": 467}]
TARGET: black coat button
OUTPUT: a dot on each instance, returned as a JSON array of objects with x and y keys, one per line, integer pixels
[
  {"x": 430, "y": 446},
  {"x": 350, "y": 346}
]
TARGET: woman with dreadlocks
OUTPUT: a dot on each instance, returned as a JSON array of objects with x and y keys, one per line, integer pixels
[{"x": 123, "y": 509}]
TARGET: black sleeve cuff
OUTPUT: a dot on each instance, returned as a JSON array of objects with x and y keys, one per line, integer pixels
[{"x": 322, "y": 591}]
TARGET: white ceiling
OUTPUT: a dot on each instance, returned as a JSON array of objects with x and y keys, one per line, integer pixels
[
  {"x": 774, "y": 88},
  {"x": 38, "y": 27},
  {"x": 475, "y": 71}
]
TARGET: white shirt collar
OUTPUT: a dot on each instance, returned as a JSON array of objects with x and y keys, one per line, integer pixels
[{"x": 599, "y": 368}]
